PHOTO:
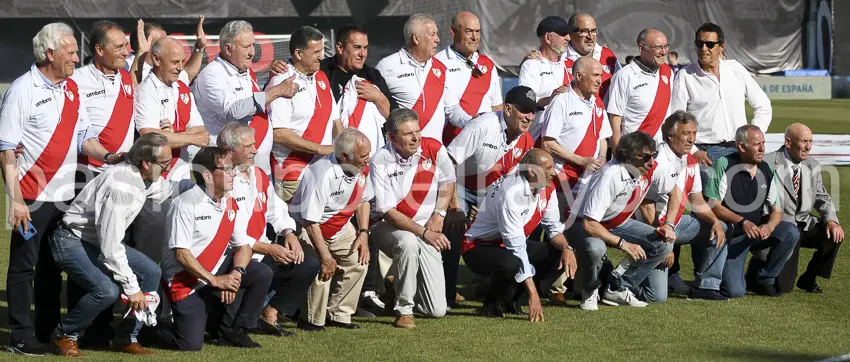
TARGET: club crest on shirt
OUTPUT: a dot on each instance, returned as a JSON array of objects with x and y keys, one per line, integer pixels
[
  {"x": 692, "y": 171},
  {"x": 70, "y": 95},
  {"x": 482, "y": 68},
  {"x": 361, "y": 180},
  {"x": 262, "y": 197},
  {"x": 231, "y": 214},
  {"x": 643, "y": 183},
  {"x": 437, "y": 72},
  {"x": 184, "y": 98},
  {"x": 664, "y": 79},
  {"x": 517, "y": 152},
  {"x": 607, "y": 69},
  {"x": 426, "y": 164},
  {"x": 598, "y": 112},
  {"x": 541, "y": 205},
  {"x": 322, "y": 84}
]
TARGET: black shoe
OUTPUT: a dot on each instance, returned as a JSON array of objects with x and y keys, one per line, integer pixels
[
  {"x": 30, "y": 347},
  {"x": 707, "y": 294},
  {"x": 809, "y": 286},
  {"x": 768, "y": 290},
  {"x": 491, "y": 310},
  {"x": 676, "y": 284},
  {"x": 363, "y": 313},
  {"x": 308, "y": 327},
  {"x": 237, "y": 337},
  {"x": 336, "y": 324},
  {"x": 264, "y": 327},
  {"x": 513, "y": 308}
]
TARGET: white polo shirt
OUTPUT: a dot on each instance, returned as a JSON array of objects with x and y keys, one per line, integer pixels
[
  {"x": 156, "y": 101},
  {"x": 419, "y": 87},
  {"x": 474, "y": 94},
  {"x": 206, "y": 228},
  {"x": 50, "y": 122},
  {"x": 685, "y": 172},
  {"x": 484, "y": 155},
  {"x": 718, "y": 104},
  {"x": 578, "y": 125},
  {"x": 510, "y": 215},
  {"x": 310, "y": 114},
  {"x": 109, "y": 102},
  {"x": 329, "y": 197},
  {"x": 642, "y": 98},
  {"x": 411, "y": 185},
  {"x": 613, "y": 194},
  {"x": 361, "y": 114},
  {"x": 260, "y": 206},
  {"x": 225, "y": 95},
  {"x": 543, "y": 77},
  {"x": 610, "y": 64}
]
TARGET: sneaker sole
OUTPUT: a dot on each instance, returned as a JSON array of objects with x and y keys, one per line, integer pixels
[
  {"x": 611, "y": 303},
  {"x": 14, "y": 350},
  {"x": 590, "y": 309}
]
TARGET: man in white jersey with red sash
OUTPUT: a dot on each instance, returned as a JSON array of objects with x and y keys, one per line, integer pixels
[
  {"x": 227, "y": 91},
  {"x": 44, "y": 114},
  {"x": 639, "y": 96},
  {"x": 414, "y": 179},
  {"x": 583, "y": 43},
  {"x": 361, "y": 114},
  {"x": 303, "y": 124},
  {"x": 547, "y": 74},
  {"x": 293, "y": 271},
  {"x": 601, "y": 218},
  {"x": 148, "y": 33},
  {"x": 165, "y": 98},
  {"x": 497, "y": 243},
  {"x": 334, "y": 189},
  {"x": 201, "y": 275},
  {"x": 417, "y": 79},
  {"x": 472, "y": 77},
  {"x": 679, "y": 132}
]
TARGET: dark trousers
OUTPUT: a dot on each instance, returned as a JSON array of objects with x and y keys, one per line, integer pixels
[
  {"x": 501, "y": 265},
  {"x": 31, "y": 264},
  {"x": 451, "y": 262},
  {"x": 819, "y": 266},
  {"x": 203, "y": 310},
  {"x": 290, "y": 283}
]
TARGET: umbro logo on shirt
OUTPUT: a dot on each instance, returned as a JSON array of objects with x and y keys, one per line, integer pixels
[
  {"x": 240, "y": 199},
  {"x": 164, "y": 101},
  {"x": 623, "y": 193},
  {"x": 405, "y": 75},
  {"x": 43, "y": 101},
  {"x": 545, "y": 73},
  {"x": 92, "y": 94},
  {"x": 491, "y": 146},
  {"x": 394, "y": 174},
  {"x": 524, "y": 212},
  {"x": 452, "y": 70},
  {"x": 301, "y": 89},
  {"x": 675, "y": 175},
  {"x": 337, "y": 193},
  {"x": 202, "y": 217},
  {"x": 238, "y": 89},
  {"x": 575, "y": 113},
  {"x": 640, "y": 85}
]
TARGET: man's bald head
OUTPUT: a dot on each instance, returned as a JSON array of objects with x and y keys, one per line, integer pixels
[
  {"x": 538, "y": 167},
  {"x": 652, "y": 44},
  {"x": 583, "y": 39},
  {"x": 798, "y": 141},
  {"x": 535, "y": 156},
  {"x": 796, "y": 130},
  {"x": 466, "y": 32},
  {"x": 587, "y": 73},
  {"x": 168, "y": 57}
]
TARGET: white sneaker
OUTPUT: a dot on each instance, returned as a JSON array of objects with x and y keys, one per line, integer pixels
[
  {"x": 590, "y": 302},
  {"x": 624, "y": 297},
  {"x": 371, "y": 296}
]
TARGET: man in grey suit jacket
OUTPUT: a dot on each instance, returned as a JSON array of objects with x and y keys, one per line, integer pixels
[{"x": 803, "y": 191}]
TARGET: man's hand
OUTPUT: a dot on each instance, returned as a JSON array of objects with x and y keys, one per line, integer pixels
[
  {"x": 227, "y": 282},
  {"x": 834, "y": 232},
  {"x": 535, "y": 309},
  {"x": 20, "y": 215},
  {"x": 765, "y": 230},
  {"x": 281, "y": 254},
  {"x": 437, "y": 240},
  {"x": 227, "y": 297},
  {"x": 19, "y": 150},
  {"x": 165, "y": 125},
  {"x": 668, "y": 260},
  {"x": 592, "y": 164},
  {"x": 717, "y": 234},
  {"x": 144, "y": 42},
  {"x": 201, "y": 42},
  {"x": 294, "y": 246},
  {"x": 702, "y": 157},
  {"x": 367, "y": 91},
  {"x": 559, "y": 90},
  {"x": 568, "y": 263},
  {"x": 361, "y": 244},
  {"x": 634, "y": 250},
  {"x": 137, "y": 301},
  {"x": 667, "y": 233},
  {"x": 285, "y": 89},
  {"x": 278, "y": 67},
  {"x": 435, "y": 223},
  {"x": 202, "y": 139},
  {"x": 328, "y": 268},
  {"x": 325, "y": 150},
  {"x": 751, "y": 230},
  {"x": 532, "y": 54},
  {"x": 114, "y": 158}
]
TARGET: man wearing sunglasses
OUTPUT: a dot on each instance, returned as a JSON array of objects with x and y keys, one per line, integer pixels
[
  {"x": 712, "y": 89},
  {"x": 601, "y": 218}
]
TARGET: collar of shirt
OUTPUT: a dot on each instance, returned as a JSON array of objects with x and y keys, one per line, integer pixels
[
  {"x": 249, "y": 172},
  {"x": 219, "y": 205},
  {"x": 667, "y": 153},
  {"x": 702, "y": 73},
  {"x": 401, "y": 160},
  {"x": 644, "y": 68},
  {"x": 587, "y": 102},
  {"x": 406, "y": 57},
  {"x": 452, "y": 53},
  {"x": 571, "y": 53},
  {"x": 336, "y": 167},
  {"x": 229, "y": 67},
  {"x": 307, "y": 78},
  {"x": 624, "y": 172},
  {"x": 160, "y": 84},
  {"x": 101, "y": 75},
  {"x": 40, "y": 80}
]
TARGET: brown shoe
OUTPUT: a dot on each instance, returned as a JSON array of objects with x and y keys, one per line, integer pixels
[
  {"x": 66, "y": 346},
  {"x": 132, "y": 348},
  {"x": 558, "y": 299},
  {"x": 405, "y": 321},
  {"x": 459, "y": 298}
]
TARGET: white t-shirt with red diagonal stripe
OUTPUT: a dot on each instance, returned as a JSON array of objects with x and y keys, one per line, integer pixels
[
  {"x": 259, "y": 205},
  {"x": 329, "y": 196},
  {"x": 361, "y": 114},
  {"x": 610, "y": 64},
  {"x": 45, "y": 119},
  {"x": 418, "y": 87},
  {"x": 109, "y": 102},
  {"x": 309, "y": 114},
  {"x": 411, "y": 185},
  {"x": 206, "y": 228},
  {"x": 641, "y": 98},
  {"x": 474, "y": 94},
  {"x": 684, "y": 171}
]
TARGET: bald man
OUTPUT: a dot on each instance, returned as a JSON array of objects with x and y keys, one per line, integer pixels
[
  {"x": 583, "y": 42},
  {"x": 639, "y": 96},
  {"x": 802, "y": 192}
]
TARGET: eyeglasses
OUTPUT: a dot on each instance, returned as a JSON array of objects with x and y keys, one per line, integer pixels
[
  {"x": 709, "y": 44},
  {"x": 646, "y": 157},
  {"x": 658, "y": 47},
  {"x": 226, "y": 169},
  {"x": 586, "y": 32},
  {"x": 165, "y": 164}
]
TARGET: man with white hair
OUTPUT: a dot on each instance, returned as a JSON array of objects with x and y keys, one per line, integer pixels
[
  {"x": 417, "y": 80},
  {"x": 334, "y": 189},
  {"x": 227, "y": 90},
  {"x": 582, "y": 42},
  {"x": 43, "y": 113},
  {"x": 303, "y": 124}
]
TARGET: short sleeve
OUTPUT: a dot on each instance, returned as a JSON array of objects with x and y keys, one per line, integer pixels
[
  {"x": 312, "y": 200},
  {"x": 553, "y": 117},
  {"x": 146, "y": 108},
  {"x": 599, "y": 196},
  {"x": 617, "y": 97},
  {"x": 195, "y": 119},
  {"x": 606, "y": 130},
  {"x": 495, "y": 89},
  {"x": 716, "y": 187},
  {"x": 697, "y": 185},
  {"x": 180, "y": 225},
  {"x": 13, "y": 113},
  {"x": 369, "y": 192},
  {"x": 382, "y": 188},
  {"x": 552, "y": 216},
  {"x": 529, "y": 77},
  {"x": 445, "y": 167},
  {"x": 280, "y": 110},
  {"x": 467, "y": 141}
]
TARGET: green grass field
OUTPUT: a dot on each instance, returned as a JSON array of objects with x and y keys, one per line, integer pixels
[{"x": 798, "y": 326}]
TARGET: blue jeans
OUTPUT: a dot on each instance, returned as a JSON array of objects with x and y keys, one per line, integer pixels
[
  {"x": 714, "y": 153},
  {"x": 654, "y": 288},
  {"x": 80, "y": 260},
  {"x": 591, "y": 253},
  {"x": 781, "y": 243}
]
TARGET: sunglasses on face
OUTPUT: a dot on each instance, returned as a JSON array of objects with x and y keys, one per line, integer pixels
[
  {"x": 646, "y": 157},
  {"x": 475, "y": 71},
  {"x": 709, "y": 44}
]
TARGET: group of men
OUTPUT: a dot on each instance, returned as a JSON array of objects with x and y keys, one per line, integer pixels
[{"x": 337, "y": 185}]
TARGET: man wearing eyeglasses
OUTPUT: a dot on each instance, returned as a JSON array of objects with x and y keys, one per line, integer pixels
[
  {"x": 582, "y": 42},
  {"x": 601, "y": 218},
  {"x": 712, "y": 90},
  {"x": 639, "y": 97}
]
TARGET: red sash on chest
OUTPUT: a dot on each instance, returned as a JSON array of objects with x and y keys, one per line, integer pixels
[
  {"x": 260, "y": 122},
  {"x": 658, "y": 111},
  {"x": 53, "y": 156},
  {"x": 508, "y": 161},
  {"x": 257, "y": 222},
  {"x": 423, "y": 179},
  {"x": 184, "y": 282},
  {"x": 634, "y": 201},
  {"x": 335, "y": 223},
  {"x": 691, "y": 172},
  {"x": 432, "y": 92},
  {"x": 608, "y": 59},
  {"x": 568, "y": 69},
  {"x": 112, "y": 136},
  {"x": 182, "y": 114},
  {"x": 357, "y": 115},
  {"x": 588, "y": 145},
  {"x": 473, "y": 95},
  {"x": 294, "y": 164}
]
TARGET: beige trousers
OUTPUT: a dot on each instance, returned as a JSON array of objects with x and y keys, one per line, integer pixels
[{"x": 286, "y": 189}]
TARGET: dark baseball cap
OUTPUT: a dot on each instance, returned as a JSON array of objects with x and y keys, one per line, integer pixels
[
  {"x": 554, "y": 24},
  {"x": 523, "y": 98}
]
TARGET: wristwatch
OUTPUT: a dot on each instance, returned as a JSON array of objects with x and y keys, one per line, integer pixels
[
  {"x": 200, "y": 50},
  {"x": 240, "y": 269},
  {"x": 364, "y": 231},
  {"x": 440, "y": 212},
  {"x": 286, "y": 232},
  {"x": 670, "y": 224}
]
